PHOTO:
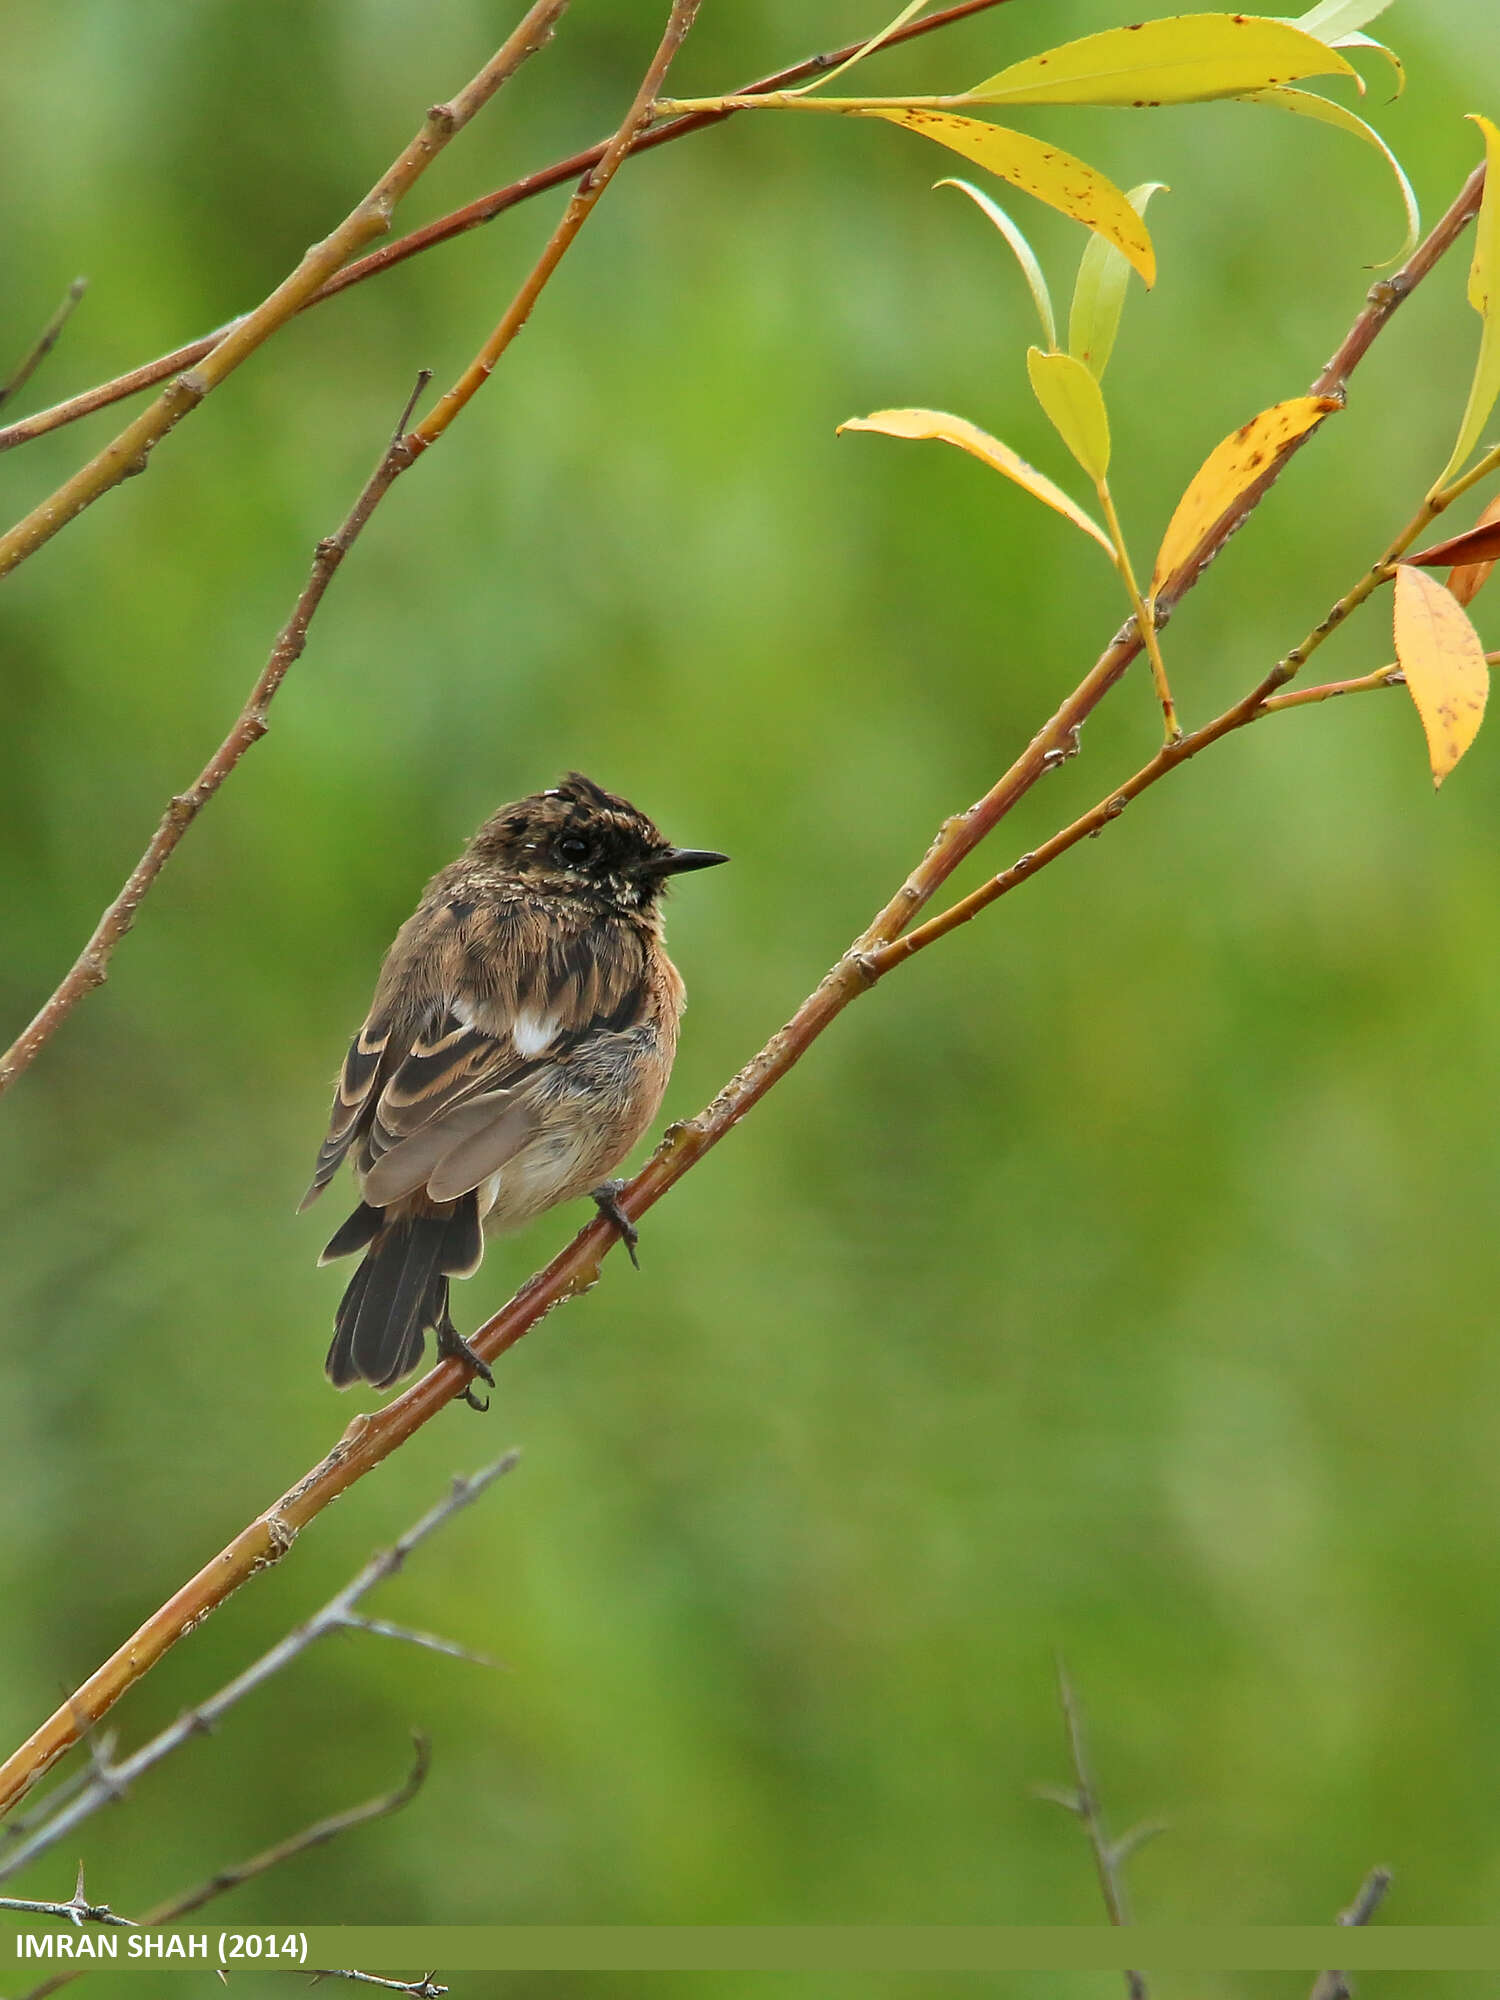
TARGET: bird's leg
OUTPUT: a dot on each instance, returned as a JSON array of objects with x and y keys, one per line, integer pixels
[
  {"x": 606, "y": 1200},
  {"x": 451, "y": 1345}
]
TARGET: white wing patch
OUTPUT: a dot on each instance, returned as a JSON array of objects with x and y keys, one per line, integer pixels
[{"x": 532, "y": 1033}]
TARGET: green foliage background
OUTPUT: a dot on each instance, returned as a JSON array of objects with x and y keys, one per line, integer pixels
[{"x": 1116, "y": 1280}]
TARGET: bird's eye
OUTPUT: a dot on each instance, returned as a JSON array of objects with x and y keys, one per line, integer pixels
[{"x": 572, "y": 847}]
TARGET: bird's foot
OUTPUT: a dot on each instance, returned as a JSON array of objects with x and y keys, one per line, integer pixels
[
  {"x": 607, "y": 1201},
  {"x": 451, "y": 1345}
]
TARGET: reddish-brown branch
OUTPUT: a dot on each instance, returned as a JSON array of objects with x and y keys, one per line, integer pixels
[
  {"x": 472, "y": 216},
  {"x": 370, "y": 1439},
  {"x": 129, "y": 452},
  {"x": 90, "y": 968}
]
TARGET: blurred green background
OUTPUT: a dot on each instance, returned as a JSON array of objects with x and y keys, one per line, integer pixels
[{"x": 1116, "y": 1280}]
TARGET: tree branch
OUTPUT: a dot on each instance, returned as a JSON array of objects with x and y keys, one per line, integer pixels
[
  {"x": 369, "y": 1439},
  {"x": 371, "y": 217},
  {"x": 472, "y": 216},
  {"x": 44, "y": 343},
  {"x": 109, "y": 1781},
  {"x": 91, "y": 967},
  {"x": 1335, "y": 1985}
]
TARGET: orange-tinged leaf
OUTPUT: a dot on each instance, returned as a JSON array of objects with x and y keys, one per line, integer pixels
[
  {"x": 1180, "y": 60},
  {"x": 1442, "y": 659},
  {"x": 1073, "y": 401},
  {"x": 920, "y": 424},
  {"x": 1047, "y": 172},
  {"x": 1230, "y": 469},
  {"x": 1479, "y": 544},
  {"x": 1466, "y": 579}
]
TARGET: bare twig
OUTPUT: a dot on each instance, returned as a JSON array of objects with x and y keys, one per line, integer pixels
[
  {"x": 316, "y": 1835},
  {"x": 1083, "y": 1802},
  {"x": 473, "y": 215},
  {"x": 425, "y": 1988},
  {"x": 44, "y": 343},
  {"x": 369, "y": 1439},
  {"x": 336, "y": 1615},
  {"x": 1335, "y": 1985},
  {"x": 90, "y": 968},
  {"x": 371, "y": 217}
]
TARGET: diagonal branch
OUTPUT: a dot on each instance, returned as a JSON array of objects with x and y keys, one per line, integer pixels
[
  {"x": 111, "y": 1782},
  {"x": 44, "y": 343},
  {"x": 472, "y": 216},
  {"x": 369, "y": 1439},
  {"x": 91, "y": 967},
  {"x": 371, "y": 217}
]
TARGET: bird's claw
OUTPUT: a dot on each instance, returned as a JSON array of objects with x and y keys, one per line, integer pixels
[
  {"x": 607, "y": 1201},
  {"x": 452, "y": 1346}
]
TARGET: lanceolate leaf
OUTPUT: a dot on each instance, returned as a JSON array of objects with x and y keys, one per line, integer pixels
[
  {"x": 1481, "y": 543},
  {"x": 1307, "y": 105},
  {"x": 968, "y": 437},
  {"x": 1482, "y": 286},
  {"x": 1468, "y": 577},
  {"x": 1442, "y": 659},
  {"x": 1099, "y": 292},
  {"x": 1052, "y": 175},
  {"x": 1331, "y": 19},
  {"x": 1074, "y": 402},
  {"x": 869, "y": 48},
  {"x": 1024, "y": 254},
  {"x": 1180, "y": 60},
  {"x": 1230, "y": 469}
]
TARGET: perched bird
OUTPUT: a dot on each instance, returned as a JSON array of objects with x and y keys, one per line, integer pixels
[{"x": 519, "y": 1042}]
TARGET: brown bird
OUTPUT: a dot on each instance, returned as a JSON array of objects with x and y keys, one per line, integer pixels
[{"x": 519, "y": 1042}]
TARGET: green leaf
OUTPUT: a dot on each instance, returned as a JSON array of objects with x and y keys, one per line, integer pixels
[
  {"x": 920, "y": 424},
  {"x": 869, "y": 48},
  {"x": 1047, "y": 172},
  {"x": 1330, "y": 20},
  {"x": 1074, "y": 402},
  {"x": 1099, "y": 292},
  {"x": 1308, "y": 105},
  {"x": 1180, "y": 60},
  {"x": 1486, "y": 384},
  {"x": 1026, "y": 256}
]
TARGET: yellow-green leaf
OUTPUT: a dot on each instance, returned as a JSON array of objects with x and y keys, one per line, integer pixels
[
  {"x": 1180, "y": 60},
  {"x": 1099, "y": 292},
  {"x": 1307, "y": 105},
  {"x": 868, "y": 49},
  {"x": 1442, "y": 659},
  {"x": 1486, "y": 384},
  {"x": 1025, "y": 256},
  {"x": 1049, "y": 173},
  {"x": 968, "y": 437},
  {"x": 1230, "y": 469},
  {"x": 1331, "y": 19},
  {"x": 1074, "y": 402}
]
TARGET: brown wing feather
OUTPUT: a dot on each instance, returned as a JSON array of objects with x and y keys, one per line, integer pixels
[{"x": 354, "y": 1097}]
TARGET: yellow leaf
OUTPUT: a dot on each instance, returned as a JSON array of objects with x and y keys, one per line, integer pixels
[
  {"x": 1308, "y": 105},
  {"x": 1181, "y": 60},
  {"x": 1442, "y": 658},
  {"x": 1049, "y": 173},
  {"x": 1486, "y": 384},
  {"x": 1099, "y": 292},
  {"x": 1232, "y": 467},
  {"x": 1074, "y": 402},
  {"x": 920, "y": 424}
]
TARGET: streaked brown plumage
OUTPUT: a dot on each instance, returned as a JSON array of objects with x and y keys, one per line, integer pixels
[{"x": 518, "y": 1044}]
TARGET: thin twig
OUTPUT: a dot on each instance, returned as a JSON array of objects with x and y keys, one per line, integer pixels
[
  {"x": 425, "y": 1988},
  {"x": 90, "y": 969},
  {"x": 335, "y": 1615},
  {"x": 369, "y": 1439},
  {"x": 44, "y": 343},
  {"x": 473, "y": 215},
  {"x": 316, "y": 1835},
  {"x": 370, "y": 218},
  {"x": 1336, "y": 1985},
  {"x": 589, "y": 189},
  {"x": 1084, "y": 1803}
]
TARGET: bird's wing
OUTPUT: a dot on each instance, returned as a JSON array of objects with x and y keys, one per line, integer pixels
[
  {"x": 353, "y": 1100},
  {"x": 463, "y": 1099}
]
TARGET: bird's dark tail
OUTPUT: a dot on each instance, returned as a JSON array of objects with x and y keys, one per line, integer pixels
[{"x": 400, "y": 1291}]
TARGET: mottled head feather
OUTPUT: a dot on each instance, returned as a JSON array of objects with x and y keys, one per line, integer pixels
[{"x": 579, "y": 839}]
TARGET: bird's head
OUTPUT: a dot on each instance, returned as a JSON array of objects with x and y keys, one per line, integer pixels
[{"x": 580, "y": 840}]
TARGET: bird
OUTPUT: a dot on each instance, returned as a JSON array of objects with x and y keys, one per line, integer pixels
[{"x": 518, "y": 1044}]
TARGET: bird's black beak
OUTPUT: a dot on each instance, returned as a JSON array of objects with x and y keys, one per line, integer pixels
[{"x": 682, "y": 860}]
